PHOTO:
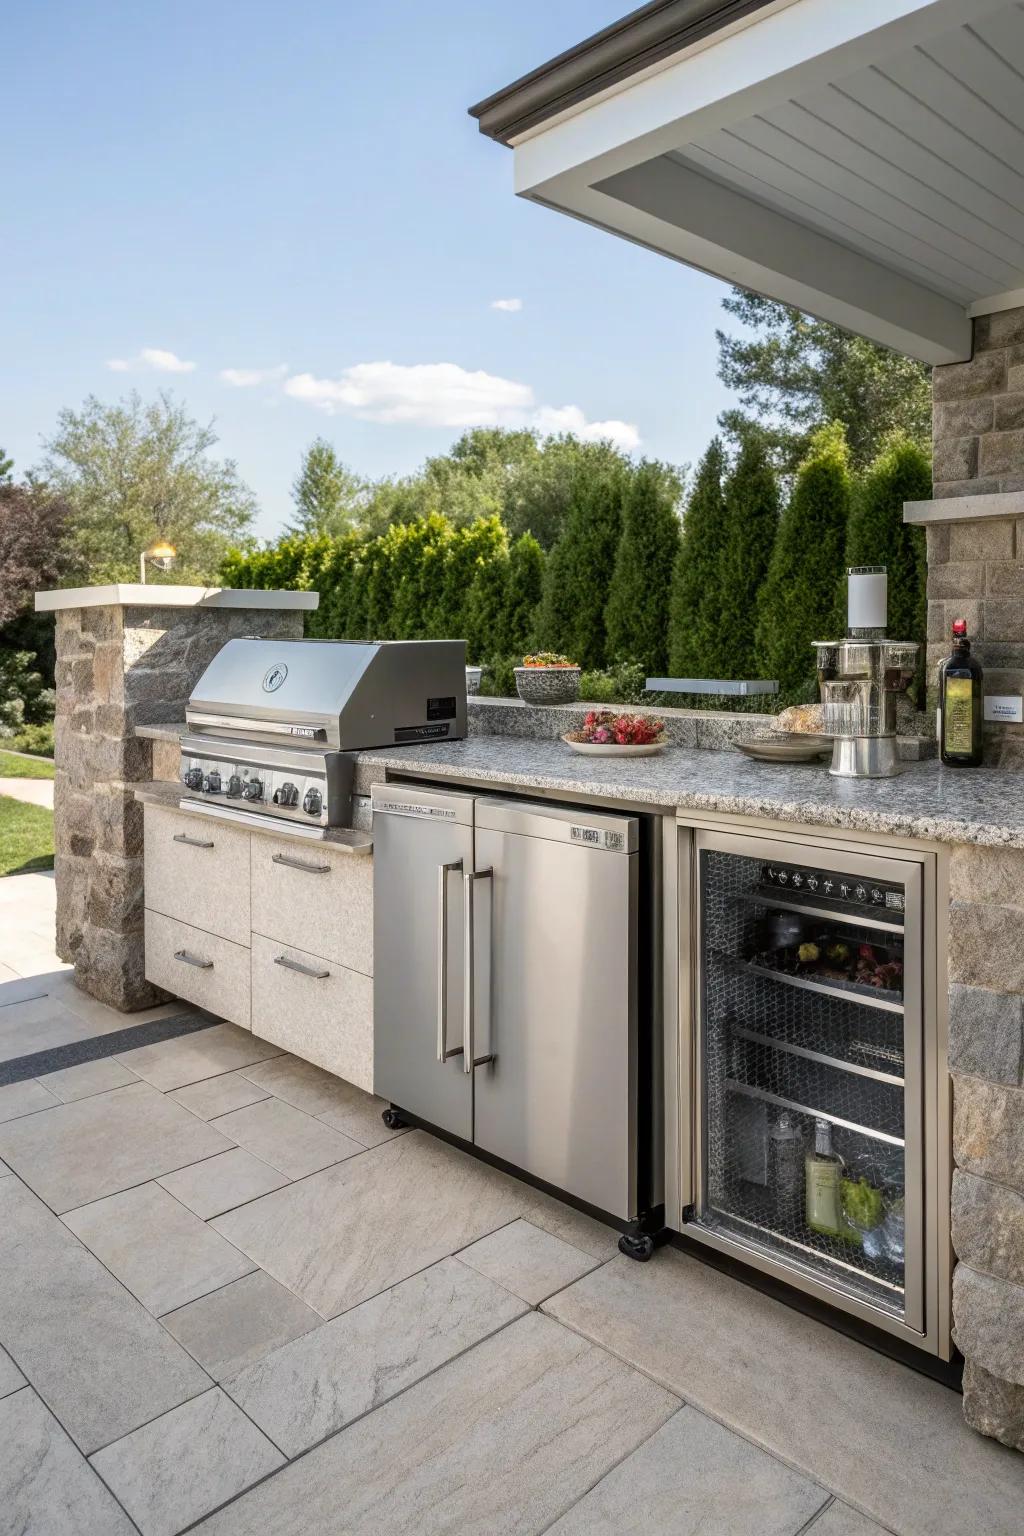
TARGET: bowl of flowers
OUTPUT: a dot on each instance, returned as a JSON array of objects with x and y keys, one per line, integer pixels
[
  {"x": 606, "y": 734},
  {"x": 548, "y": 678}
]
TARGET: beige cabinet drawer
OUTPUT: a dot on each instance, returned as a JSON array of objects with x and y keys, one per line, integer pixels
[
  {"x": 315, "y": 1008},
  {"x": 197, "y": 870},
  {"x": 201, "y": 967},
  {"x": 316, "y": 897}
]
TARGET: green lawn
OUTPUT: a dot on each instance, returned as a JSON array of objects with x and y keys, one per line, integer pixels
[
  {"x": 14, "y": 767},
  {"x": 26, "y": 837}
]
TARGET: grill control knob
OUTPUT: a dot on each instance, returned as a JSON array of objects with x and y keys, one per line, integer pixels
[
  {"x": 313, "y": 802},
  {"x": 252, "y": 790},
  {"x": 234, "y": 785},
  {"x": 194, "y": 778},
  {"x": 287, "y": 794},
  {"x": 211, "y": 784}
]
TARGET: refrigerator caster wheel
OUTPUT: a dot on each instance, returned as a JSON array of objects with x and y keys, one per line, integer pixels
[
  {"x": 394, "y": 1120},
  {"x": 637, "y": 1246}
]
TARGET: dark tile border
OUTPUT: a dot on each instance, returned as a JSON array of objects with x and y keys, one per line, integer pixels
[{"x": 77, "y": 1052}]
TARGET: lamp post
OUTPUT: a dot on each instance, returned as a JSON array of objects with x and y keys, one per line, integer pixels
[{"x": 161, "y": 554}]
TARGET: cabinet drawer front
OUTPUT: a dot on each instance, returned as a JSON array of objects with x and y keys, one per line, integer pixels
[
  {"x": 315, "y": 1008},
  {"x": 314, "y": 897},
  {"x": 200, "y": 967},
  {"x": 197, "y": 870}
]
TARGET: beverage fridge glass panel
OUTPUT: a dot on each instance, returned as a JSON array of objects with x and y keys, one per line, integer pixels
[{"x": 809, "y": 1065}]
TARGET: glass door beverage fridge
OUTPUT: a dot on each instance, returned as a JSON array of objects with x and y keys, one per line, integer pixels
[{"x": 813, "y": 1089}]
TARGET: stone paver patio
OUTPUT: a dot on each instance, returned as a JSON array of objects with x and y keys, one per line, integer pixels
[{"x": 231, "y": 1299}]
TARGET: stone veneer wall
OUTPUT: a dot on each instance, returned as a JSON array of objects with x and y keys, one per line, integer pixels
[
  {"x": 986, "y": 1056},
  {"x": 119, "y": 667}
]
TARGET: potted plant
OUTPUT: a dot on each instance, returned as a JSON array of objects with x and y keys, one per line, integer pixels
[{"x": 548, "y": 678}]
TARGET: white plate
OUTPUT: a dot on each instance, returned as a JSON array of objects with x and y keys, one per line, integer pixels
[
  {"x": 612, "y": 748},
  {"x": 786, "y": 751}
]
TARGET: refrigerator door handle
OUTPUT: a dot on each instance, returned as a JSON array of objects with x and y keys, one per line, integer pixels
[
  {"x": 443, "y": 871},
  {"x": 469, "y": 1061}
]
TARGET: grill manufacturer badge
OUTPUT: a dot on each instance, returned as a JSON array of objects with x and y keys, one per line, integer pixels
[
  {"x": 596, "y": 837},
  {"x": 275, "y": 677}
]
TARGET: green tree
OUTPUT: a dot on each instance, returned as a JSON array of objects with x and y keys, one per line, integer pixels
[
  {"x": 487, "y": 607},
  {"x": 6, "y": 465},
  {"x": 693, "y": 600},
  {"x": 525, "y": 586},
  {"x": 794, "y": 374},
  {"x": 636, "y": 614},
  {"x": 751, "y": 521},
  {"x": 133, "y": 472},
  {"x": 328, "y": 497},
  {"x": 578, "y": 568},
  {"x": 799, "y": 598}
]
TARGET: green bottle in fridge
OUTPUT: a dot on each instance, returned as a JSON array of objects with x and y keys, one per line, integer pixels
[{"x": 822, "y": 1169}]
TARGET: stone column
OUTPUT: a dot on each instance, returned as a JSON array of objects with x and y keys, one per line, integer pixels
[{"x": 127, "y": 656}]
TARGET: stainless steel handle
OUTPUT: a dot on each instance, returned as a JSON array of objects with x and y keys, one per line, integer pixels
[
  {"x": 303, "y": 970},
  {"x": 469, "y": 1061},
  {"x": 193, "y": 842},
  {"x": 200, "y": 965},
  {"x": 309, "y": 869},
  {"x": 443, "y": 871}
]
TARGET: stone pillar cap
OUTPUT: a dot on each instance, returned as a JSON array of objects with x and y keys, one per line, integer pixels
[
  {"x": 965, "y": 509},
  {"x": 166, "y": 595}
]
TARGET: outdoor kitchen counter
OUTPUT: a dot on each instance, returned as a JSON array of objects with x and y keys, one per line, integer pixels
[{"x": 982, "y": 806}]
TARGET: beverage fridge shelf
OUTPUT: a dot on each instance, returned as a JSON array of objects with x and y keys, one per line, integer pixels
[
  {"x": 814, "y": 1113},
  {"x": 870, "y": 997},
  {"x": 833, "y": 911},
  {"x": 825, "y": 1058}
]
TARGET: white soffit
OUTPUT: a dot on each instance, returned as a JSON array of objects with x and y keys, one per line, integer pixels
[{"x": 862, "y": 159}]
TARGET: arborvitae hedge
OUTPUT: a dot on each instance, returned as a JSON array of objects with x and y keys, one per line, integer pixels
[
  {"x": 578, "y": 571},
  {"x": 636, "y": 614},
  {"x": 751, "y": 521},
  {"x": 693, "y": 602},
  {"x": 799, "y": 598},
  {"x": 525, "y": 586}
]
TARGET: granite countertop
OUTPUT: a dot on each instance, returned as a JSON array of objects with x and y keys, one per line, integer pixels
[
  {"x": 171, "y": 731},
  {"x": 174, "y": 797}
]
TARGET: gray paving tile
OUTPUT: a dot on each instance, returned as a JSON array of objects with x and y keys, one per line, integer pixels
[
  {"x": 214, "y": 1096},
  {"x": 163, "y": 1253},
  {"x": 241, "y": 1323},
  {"x": 10, "y": 1377},
  {"x": 91, "y": 1077},
  {"x": 220, "y": 1183},
  {"x": 97, "y": 1146},
  {"x": 38, "y": 1025},
  {"x": 286, "y": 1138},
  {"x": 693, "y": 1477},
  {"x": 47, "y": 1488},
  {"x": 884, "y": 1438},
  {"x": 24, "y": 1098},
  {"x": 354, "y": 1230},
  {"x": 93, "y": 1353},
  {"x": 188, "y": 1058},
  {"x": 4, "y": 1169},
  {"x": 340, "y": 1104},
  {"x": 313, "y": 1386},
  {"x": 170, "y": 1473},
  {"x": 840, "y": 1520},
  {"x": 503, "y": 1439},
  {"x": 527, "y": 1261}
]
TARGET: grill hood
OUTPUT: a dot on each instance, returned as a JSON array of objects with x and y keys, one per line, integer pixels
[{"x": 335, "y": 695}]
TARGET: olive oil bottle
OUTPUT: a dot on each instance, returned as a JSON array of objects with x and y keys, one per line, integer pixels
[{"x": 960, "y": 703}]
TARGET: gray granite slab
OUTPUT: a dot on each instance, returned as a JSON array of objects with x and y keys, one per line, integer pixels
[
  {"x": 47, "y": 1488},
  {"x": 694, "y": 1477},
  {"x": 172, "y": 1472},
  {"x": 504, "y": 1439},
  {"x": 91, "y": 1077},
  {"x": 163, "y": 1253},
  {"x": 882, "y": 1437},
  {"x": 24, "y": 1098},
  {"x": 173, "y": 1063},
  {"x": 10, "y": 1377},
  {"x": 330, "y": 1099},
  {"x": 232, "y": 1328},
  {"x": 218, "y": 1184},
  {"x": 79, "y": 1152},
  {"x": 93, "y": 1353},
  {"x": 214, "y": 1096},
  {"x": 976, "y": 805},
  {"x": 527, "y": 1261},
  {"x": 286, "y": 1138},
  {"x": 312, "y": 1387}
]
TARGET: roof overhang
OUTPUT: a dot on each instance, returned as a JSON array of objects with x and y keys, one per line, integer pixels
[{"x": 861, "y": 161}]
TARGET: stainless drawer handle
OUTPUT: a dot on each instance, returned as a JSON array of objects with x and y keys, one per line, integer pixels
[
  {"x": 303, "y": 970},
  {"x": 200, "y": 965},
  {"x": 310, "y": 869},
  {"x": 469, "y": 1061},
  {"x": 443, "y": 871},
  {"x": 193, "y": 842}
]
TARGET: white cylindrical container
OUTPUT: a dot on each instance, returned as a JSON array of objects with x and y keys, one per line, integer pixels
[{"x": 867, "y": 598}]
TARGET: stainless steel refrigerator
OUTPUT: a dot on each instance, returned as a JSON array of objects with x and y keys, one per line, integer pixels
[{"x": 506, "y": 982}]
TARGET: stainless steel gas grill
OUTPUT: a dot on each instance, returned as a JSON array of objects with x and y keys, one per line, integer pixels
[{"x": 273, "y": 724}]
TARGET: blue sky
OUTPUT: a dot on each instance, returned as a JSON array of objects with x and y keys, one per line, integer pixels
[{"x": 296, "y": 191}]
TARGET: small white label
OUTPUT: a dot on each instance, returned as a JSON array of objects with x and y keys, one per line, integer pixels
[
  {"x": 596, "y": 837},
  {"x": 406, "y": 808},
  {"x": 1005, "y": 706}
]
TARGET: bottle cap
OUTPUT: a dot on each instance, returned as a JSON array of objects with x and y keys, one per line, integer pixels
[{"x": 959, "y": 627}]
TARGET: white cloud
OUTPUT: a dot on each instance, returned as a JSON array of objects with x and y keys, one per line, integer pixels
[
  {"x": 445, "y": 395},
  {"x": 151, "y": 358},
  {"x": 245, "y": 378},
  {"x": 510, "y": 306}
]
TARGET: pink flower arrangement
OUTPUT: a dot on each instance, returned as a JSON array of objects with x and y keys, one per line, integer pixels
[{"x": 604, "y": 726}]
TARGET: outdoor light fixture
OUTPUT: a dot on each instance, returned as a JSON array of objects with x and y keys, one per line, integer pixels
[{"x": 161, "y": 554}]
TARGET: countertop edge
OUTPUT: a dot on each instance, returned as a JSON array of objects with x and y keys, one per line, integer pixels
[{"x": 169, "y": 796}]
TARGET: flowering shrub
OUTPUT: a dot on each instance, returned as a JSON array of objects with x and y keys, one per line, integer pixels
[
  {"x": 605, "y": 726},
  {"x": 548, "y": 659}
]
